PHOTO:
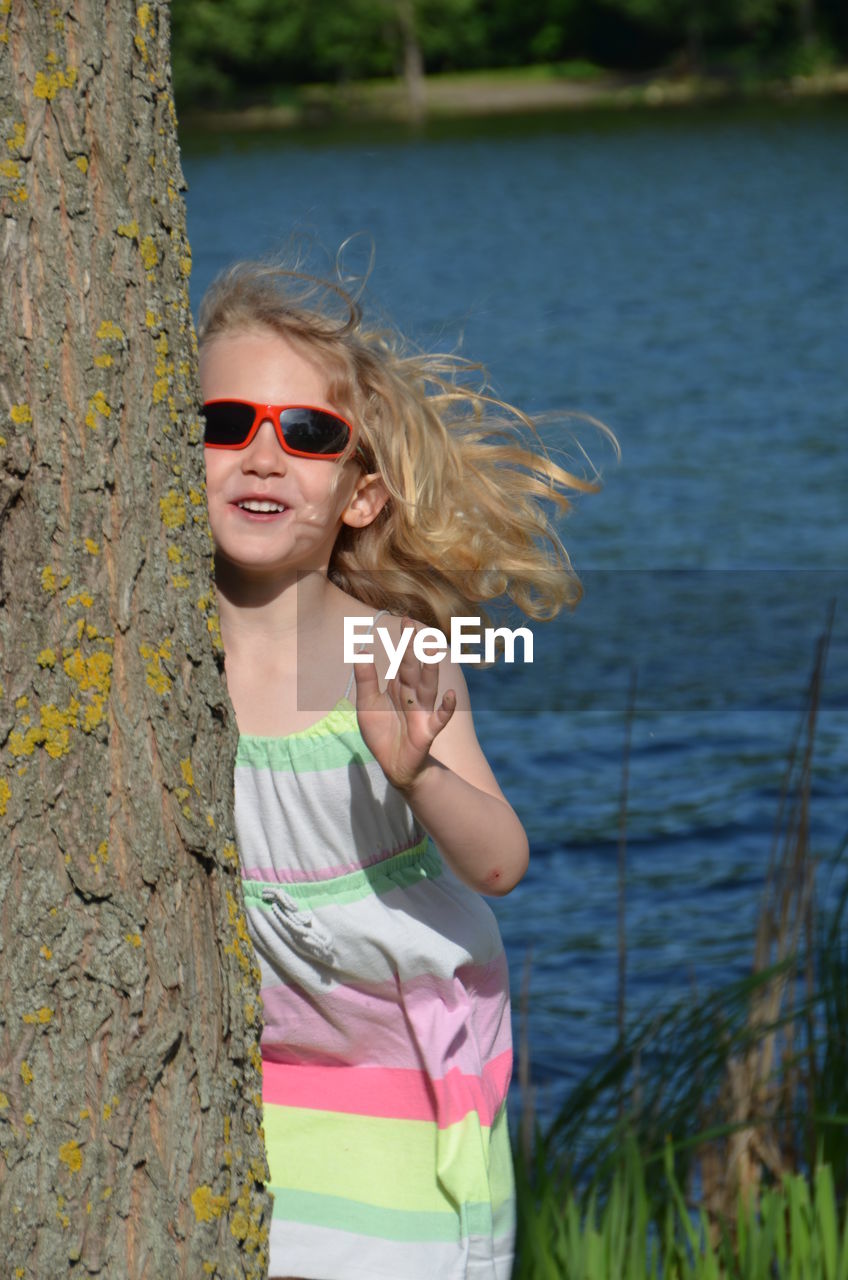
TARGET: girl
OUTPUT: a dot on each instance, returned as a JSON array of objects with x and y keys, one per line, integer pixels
[{"x": 348, "y": 479}]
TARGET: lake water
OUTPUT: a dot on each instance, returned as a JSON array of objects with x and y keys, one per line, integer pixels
[{"x": 683, "y": 278}]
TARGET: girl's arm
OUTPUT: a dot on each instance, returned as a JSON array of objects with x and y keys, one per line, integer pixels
[{"x": 431, "y": 753}]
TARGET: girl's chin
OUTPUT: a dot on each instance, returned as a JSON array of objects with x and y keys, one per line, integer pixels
[{"x": 235, "y": 567}]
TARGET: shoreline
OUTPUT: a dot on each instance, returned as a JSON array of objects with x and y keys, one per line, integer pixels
[{"x": 500, "y": 93}]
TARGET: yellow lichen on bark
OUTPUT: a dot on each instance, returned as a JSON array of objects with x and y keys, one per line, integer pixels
[
  {"x": 157, "y": 679},
  {"x": 149, "y": 253},
  {"x": 241, "y": 946},
  {"x": 52, "y": 733},
  {"x": 47, "y": 86},
  {"x": 17, "y": 138},
  {"x": 97, "y": 405},
  {"x": 92, "y": 672},
  {"x": 42, "y": 1016},
  {"x": 71, "y": 1155},
  {"x": 207, "y": 1206},
  {"x": 172, "y": 510},
  {"x": 109, "y": 330}
]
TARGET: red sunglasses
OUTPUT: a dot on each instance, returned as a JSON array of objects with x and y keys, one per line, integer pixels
[{"x": 301, "y": 429}]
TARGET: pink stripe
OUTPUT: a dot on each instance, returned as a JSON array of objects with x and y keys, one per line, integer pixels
[
  {"x": 390, "y": 1093},
  {"x": 296, "y": 875},
  {"x": 440, "y": 1023}
]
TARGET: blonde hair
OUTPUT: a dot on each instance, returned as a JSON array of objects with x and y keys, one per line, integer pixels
[{"x": 472, "y": 487}]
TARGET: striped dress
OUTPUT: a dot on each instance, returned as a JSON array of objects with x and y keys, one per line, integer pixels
[{"x": 386, "y": 1050}]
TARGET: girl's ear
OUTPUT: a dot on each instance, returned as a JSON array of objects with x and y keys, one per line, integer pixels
[{"x": 369, "y": 498}]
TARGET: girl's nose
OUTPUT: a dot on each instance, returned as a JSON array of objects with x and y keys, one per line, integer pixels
[{"x": 265, "y": 454}]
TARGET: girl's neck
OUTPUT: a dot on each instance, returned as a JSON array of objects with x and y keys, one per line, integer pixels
[
  {"x": 283, "y": 649},
  {"x": 255, "y": 611}
]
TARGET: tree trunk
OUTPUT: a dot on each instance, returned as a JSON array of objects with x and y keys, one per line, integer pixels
[
  {"x": 807, "y": 22},
  {"x": 129, "y": 1014},
  {"x": 695, "y": 37},
  {"x": 413, "y": 62}
]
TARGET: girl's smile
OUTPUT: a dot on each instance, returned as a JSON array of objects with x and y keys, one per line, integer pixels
[{"x": 261, "y": 507}]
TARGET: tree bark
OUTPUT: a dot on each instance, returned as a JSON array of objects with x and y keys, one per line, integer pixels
[{"x": 130, "y": 1139}]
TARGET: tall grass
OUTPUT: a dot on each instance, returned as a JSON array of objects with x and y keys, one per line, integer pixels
[
  {"x": 796, "y": 1230},
  {"x": 713, "y": 1141}
]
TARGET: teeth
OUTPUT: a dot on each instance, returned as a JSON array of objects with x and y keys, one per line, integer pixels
[{"x": 263, "y": 507}]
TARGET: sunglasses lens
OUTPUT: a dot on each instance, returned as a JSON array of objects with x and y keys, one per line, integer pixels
[
  {"x": 228, "y": 422},
  {"x": 311, "y": 431}
]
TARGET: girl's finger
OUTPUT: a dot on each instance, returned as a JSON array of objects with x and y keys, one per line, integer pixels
[
  {"x": 446, "y": 708},
  {"x": 422, "y": 679},
  {"x": 399, "y": 695},
  {"x": 365, "y": 677}
]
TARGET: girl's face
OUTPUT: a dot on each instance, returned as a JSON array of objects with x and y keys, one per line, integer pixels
[{"x": 314, "y": 496}]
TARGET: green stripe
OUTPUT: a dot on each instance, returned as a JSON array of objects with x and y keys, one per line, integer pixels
[
  {"x": 312, "y": 756},
  {"x": 387, "y": 1224},
  {"x": 331, "y": 743},
  {"x": 392, "y": 1164},
  {"x": 422, "y": 862},
  {"x": 502, "y": 1178}
]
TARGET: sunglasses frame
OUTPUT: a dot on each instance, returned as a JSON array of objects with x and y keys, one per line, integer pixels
[{"x": 273, "y": 413}]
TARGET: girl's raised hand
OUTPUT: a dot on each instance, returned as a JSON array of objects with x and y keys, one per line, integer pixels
[{"x": 400, "y": 723}]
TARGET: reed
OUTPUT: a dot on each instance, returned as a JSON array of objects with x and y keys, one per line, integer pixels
[
  {"x": 796, "y": 1231},
  {"x": 713, "y": 1141}
]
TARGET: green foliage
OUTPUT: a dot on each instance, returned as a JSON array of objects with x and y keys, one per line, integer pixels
[
  {"x": 806, "y": 58},
  {"x": 797, "y": 1230},
  {"x": 235, "y": 50},
  {"x": 261, "y": 46},
  {"x": 453, "y": 34},
  {"x": 830, "y": 1115},
  {"x": 528, "y": 31}
]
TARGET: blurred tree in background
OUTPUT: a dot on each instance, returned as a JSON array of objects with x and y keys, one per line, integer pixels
[
  {"x": 221, "y": 50},
  {"x": 229, "y": 51}
]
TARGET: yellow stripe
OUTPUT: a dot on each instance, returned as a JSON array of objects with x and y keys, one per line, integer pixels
[
  {"x": 501, "y": 1178},
  {"x": 388, "y": 1163}
]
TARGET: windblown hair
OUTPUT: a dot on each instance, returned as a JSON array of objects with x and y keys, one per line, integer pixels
[{"x": 473, "y": 491}]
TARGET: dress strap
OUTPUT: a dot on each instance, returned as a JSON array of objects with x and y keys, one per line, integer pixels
[{"x": 349, "y": 690}]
